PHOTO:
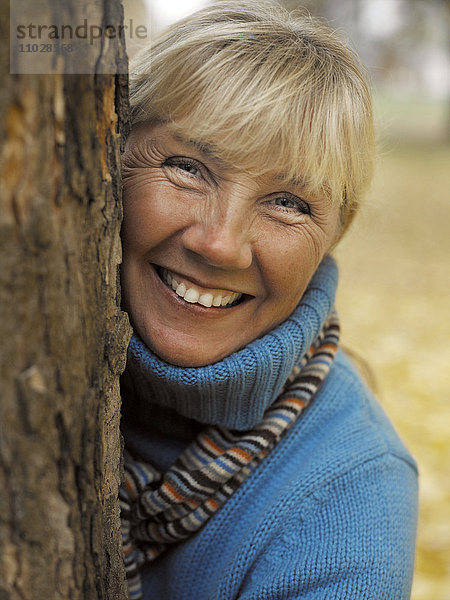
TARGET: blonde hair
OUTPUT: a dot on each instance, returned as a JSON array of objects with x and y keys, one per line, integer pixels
[{"x": 268, "y": 90}]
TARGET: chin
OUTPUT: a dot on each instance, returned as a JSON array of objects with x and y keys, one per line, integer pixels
[
  {"x": 179, "y": 354},
  {"x": 188, "y": 358}
]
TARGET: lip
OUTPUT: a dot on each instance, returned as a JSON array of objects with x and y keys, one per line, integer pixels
[
  {"x": 195, "y": 308},
  {"x": 201, "y": 284}
]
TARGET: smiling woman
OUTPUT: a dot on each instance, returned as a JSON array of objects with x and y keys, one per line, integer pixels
[
  {"x": 193, "y": 225},
  {"x": 250, "y": 150}
]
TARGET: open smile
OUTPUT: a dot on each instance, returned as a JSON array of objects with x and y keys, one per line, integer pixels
[{"x": 195, "y": 294}]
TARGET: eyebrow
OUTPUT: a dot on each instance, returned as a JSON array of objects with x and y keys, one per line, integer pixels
[
  {"x": 209, "y": 151},
  {"x": 203, "y": 147}
]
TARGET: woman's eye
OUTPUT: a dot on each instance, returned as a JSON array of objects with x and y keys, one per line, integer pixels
[
  {"x": 289, "y": 203},
  {"x": 188, "y": 166},
  {"x": 285, "y": 202}
]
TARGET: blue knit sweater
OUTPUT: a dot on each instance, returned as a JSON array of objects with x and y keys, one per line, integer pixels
[{"x": 330, "y": 513}]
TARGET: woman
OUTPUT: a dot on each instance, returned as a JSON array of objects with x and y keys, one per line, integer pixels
[{"x": 258, "y": 464}]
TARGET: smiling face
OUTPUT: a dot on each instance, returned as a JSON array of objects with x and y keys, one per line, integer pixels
[{"x": 213, "y": 258}]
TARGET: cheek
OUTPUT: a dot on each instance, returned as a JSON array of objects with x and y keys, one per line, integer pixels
[
  {"x": 146, "y": 217},
  {"x": 290, "y": 259},
  {"x": 295, "y": 273},
  {"x": 289, "y": 264},
  {"x": 135, "y": 227}
]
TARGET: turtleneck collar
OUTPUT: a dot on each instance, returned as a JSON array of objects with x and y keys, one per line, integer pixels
[{"x": 234, "y": 392}]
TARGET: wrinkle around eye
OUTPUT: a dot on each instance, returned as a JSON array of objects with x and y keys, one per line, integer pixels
[
  {"x": 286, "y": 216},
  {"x": 139, "y": 179},
  {"x": 202, "y": 180},
  {"x": 143, "y": 155},
  {"x": 185, "y": 181},
  {"x": 181, "y": 163},
  {"x": 298, "y": 205}
]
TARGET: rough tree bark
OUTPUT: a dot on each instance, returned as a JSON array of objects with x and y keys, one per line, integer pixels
[{"x": 63, "y": 336}]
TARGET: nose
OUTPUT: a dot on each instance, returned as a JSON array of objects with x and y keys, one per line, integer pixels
[{"x": 221, "y": 240}]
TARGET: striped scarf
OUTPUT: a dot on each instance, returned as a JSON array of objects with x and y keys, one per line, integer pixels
[{"x": 159, "y": 510}]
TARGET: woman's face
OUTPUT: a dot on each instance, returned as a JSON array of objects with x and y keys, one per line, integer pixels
[{"x": 213, "y": 258}]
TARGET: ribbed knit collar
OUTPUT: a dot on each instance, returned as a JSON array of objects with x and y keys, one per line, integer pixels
[{"x": 235, "y": 391}]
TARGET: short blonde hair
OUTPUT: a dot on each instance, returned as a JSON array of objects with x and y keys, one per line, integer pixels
[{"x": 269, "y": 90}]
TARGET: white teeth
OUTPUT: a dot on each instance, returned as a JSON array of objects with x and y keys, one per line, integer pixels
[
  {"x": 181, "y": 290},
  {"x": 206, "y": 300},
  {"x": 192, "y": 295}
]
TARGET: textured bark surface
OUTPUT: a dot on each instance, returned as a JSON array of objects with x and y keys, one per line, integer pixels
[{"x": 63, "y": 336}]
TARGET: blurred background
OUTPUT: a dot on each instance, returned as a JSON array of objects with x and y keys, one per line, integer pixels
[{"x": 394, "y": 293}]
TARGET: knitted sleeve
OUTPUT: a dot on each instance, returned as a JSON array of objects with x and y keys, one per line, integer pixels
[{"x": 352, "y": 539}]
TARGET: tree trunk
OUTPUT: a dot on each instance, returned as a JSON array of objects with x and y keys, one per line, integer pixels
[{"x": 63, "y": 335}]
